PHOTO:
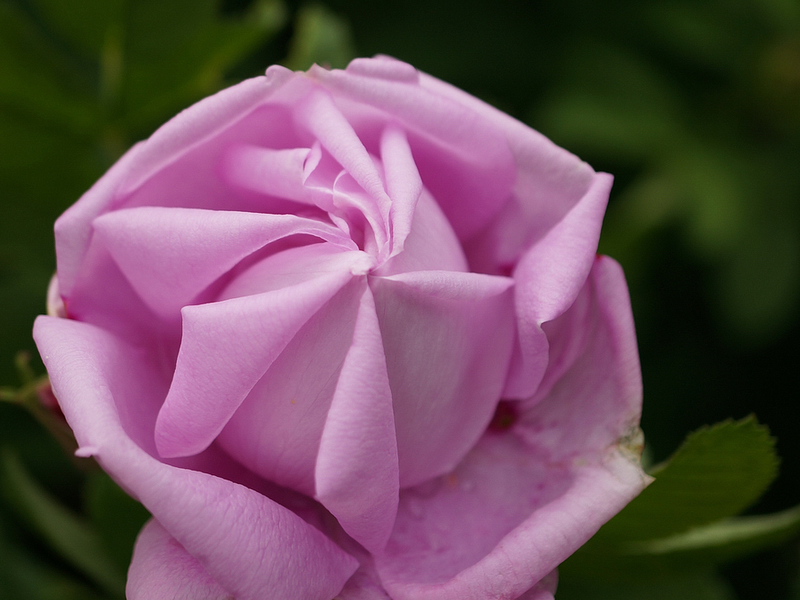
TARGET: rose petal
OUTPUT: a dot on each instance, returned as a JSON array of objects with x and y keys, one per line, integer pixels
[
  {"x": 364, "y": 584},
  {"x": 242, "y": 549},
  {"x": 431, "y": 245},
  {"x": 277, "y": 429},
  {"x": 500, "y": 522},
  {"x": 357, "y": 476},
  {"x": 170, "y": 255},
  {"x": 591, "y": 395},
  {"x": 549, "y": 276},
  {"x": 549, "y": 182},
  {"x": 320, "y": 114},
  {"x": 103, "y": 296},
  {"x": 161, "y": 568},
  {"x": 199, "y": 123},
  {"x": 462, "y": 158},
  {"x": 543, "y": 590},
  {"x": 226, "y": 348},
  {"x": 533, "y": 494},
  {"x": 447, "y": 339},
  {"x": 403, "y": 184},
  {"x": 268, "y": 171}
]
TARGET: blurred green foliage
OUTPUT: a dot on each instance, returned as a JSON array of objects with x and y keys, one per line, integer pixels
[{"x": 694, "y": 105}]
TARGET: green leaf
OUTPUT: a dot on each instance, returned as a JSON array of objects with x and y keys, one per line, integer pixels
[
  {"x": 69, "y": 535},
  {"x": 39, "y": 81},
  {"x": 681, "y": 523},
  {"x": 83, "y": 24},
  {"x": 694, "y": 586},
  {"x": 722, "y": 541},
  {"x": 117, "y": 517},
  {"x": 27, "y": 575},
  {"x": 717, "y": 472},
  {"x": 174, "y": 53},
  {"x": 628, "y": 112},
  {"x": 320, "y": 37}
]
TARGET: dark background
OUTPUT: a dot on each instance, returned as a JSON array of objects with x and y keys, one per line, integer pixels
[{"x": 694, "y": 106}]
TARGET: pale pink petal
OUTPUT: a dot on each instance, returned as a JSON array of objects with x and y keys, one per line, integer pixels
[
  {"x": 431, "y": 245},
  {"x": 277, "y": 429},
  {"x": 103, "y": 296},
  {"x": 368, "y": 227},
  {"x": 548, "y": 278},
  {"x": 244, "y": 549},
  {"x": 463, "y": 159},
  {"x": 268, "y": 171},
  {"x": 170, "y": 255},
  {"x": 447, "y": 338},
  {"x": 591, "y": 395},
  {"x": 533, "y": 494},
  {"x": 544, "y": 590},
  {"x": 357, "y": 476},
  {"x": 549, "y": 182},
  {"x": 503, "y": 520},
  {"x": 320, "y": 114},
  {"x": 403, "y": 184},
  {"x": 162, "y": 570},
  {"x": 227, "y": 347},
  {"x": 199, "y": 123},
  {"x": 364, "y": 584}
]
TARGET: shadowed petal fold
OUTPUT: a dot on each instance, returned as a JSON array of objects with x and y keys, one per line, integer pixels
[
  {"x": 447, "y": 338},
  {"x": 357, "y": 476}
]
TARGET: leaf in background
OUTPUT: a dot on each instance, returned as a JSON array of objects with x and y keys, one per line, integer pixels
[
  {"x": 320, "y": 37},
  {"x": 27, "y": 575},
  {"x": 612, "y": 103},
  {"x": 716, "y": 473},
  {"x": 695, "y": 586},
  {"x": 79, "y": 82},
  {"x": 116, "y": 517},
  {"x": 174, "y": 53},
  {"x": 71, "y": 537},
  {"x": 39, "y": 80},
  {"x": 721, "y": 541},
  {"x": 680, "y": 524}
]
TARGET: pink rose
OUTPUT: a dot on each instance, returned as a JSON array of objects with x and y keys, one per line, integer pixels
[{"x": 344, "y": 334}]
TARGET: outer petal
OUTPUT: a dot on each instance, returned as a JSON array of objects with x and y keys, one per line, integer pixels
[
  {"x": 199, "y": 123},
  {"x": 549, "y": 276},
  {"x": 242, "y": 549},
  {"x": 162, "y": 570},
  {"x": 549, "y": 182},
  {"x": 447, "y": 338},
  {"x": 543, "y": 590},
  {"x": 591, "y": 395},
  {"x": 500, "y": 522},
  {"x": 532, "y": 495},
  {"x": 357, "y": 476}
]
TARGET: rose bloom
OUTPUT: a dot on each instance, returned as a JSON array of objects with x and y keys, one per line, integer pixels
[{"x": 345, "y": 335}]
